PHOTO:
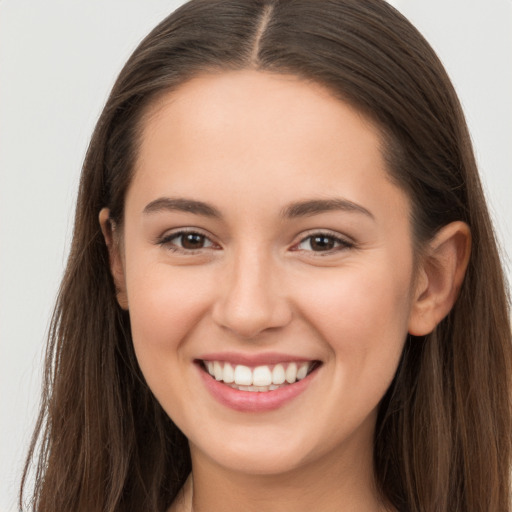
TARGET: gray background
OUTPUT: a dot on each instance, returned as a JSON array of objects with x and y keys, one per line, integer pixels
[{"x": 58, "y": 60}]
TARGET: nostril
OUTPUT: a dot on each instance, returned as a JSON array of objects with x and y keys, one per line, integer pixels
[{"x": 250, "y": 323}]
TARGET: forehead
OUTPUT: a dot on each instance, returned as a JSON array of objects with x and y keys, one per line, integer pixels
[
  {"x": 259, "y": 134},
  {"x": 255, "y": 99}
]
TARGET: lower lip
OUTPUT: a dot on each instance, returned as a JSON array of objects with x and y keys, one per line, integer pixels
[{"x": 254, "y": 401}]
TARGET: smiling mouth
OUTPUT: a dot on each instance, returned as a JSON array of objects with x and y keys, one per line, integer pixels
[{"x": 261, "y": 378}]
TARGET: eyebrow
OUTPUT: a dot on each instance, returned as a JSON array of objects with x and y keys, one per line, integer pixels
[
  {"x": 182, "y": 205},
  {"x": 317, "y": 206},
  {"x": 296, "y": 209}
]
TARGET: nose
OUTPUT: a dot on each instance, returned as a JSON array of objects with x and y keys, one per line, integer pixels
[{"x": 251, "y": 299}]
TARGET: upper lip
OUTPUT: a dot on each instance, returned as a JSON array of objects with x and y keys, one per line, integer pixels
[{"x": 262, "y": 358}]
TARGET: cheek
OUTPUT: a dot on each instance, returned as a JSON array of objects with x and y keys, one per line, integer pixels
[
  {"x": 165, "y": 304},
  {"x": 362, "y": 313}
]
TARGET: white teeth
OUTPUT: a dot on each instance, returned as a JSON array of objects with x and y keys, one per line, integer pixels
[
  {"x": 278, "y": 374},
  {"x": 229, "y": 374},
  {"x": 243, "y": 375},
  {"x": 217, "y": 370},
  {"x": 302, "y": 371},
  {"x": 291, "y": 373},
  {"x": 262, "y": 376}
]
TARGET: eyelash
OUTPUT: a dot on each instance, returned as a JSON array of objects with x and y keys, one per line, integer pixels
[
  {"x": 166, "y": 241},
  {"x": 339, "y": 243}
]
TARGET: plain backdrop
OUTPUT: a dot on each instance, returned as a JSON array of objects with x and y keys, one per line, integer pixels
[{"x": 58, "y": 60}]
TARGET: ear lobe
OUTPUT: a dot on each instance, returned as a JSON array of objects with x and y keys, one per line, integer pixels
[
  {"x": 440, "y": 277},
  {"x": 115, "y": 257}
]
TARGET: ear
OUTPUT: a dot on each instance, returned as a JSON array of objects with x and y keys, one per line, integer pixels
[
  {"x": 440, "y": 276},
  {"x": 112, "y": 241}
]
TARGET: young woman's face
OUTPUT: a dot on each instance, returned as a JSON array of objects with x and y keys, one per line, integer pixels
[{"x": 264, "y": 242}]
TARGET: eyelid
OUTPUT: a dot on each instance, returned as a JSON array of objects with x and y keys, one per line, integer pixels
[
  {"x": 165, "y": 239},
  {"x": 343, "y": 241}
]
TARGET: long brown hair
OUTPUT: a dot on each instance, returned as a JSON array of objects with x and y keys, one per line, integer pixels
[{"x": 443, "y": 431}]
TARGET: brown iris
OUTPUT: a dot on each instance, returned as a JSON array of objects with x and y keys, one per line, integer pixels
[
  {"x": 322, "y": 243},
  {"x": 192, "y": 241}
]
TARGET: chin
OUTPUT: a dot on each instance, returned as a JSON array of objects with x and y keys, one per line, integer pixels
[{"x": 261, "y": 454}]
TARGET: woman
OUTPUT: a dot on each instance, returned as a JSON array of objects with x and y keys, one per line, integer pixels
[{"x": 283, "y": 290}]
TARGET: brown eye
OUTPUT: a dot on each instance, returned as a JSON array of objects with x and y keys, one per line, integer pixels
[
  {"x": 323, "y": 242},
  {"x": 186, "y": 241},
  {"x": 192, "y": 241}
]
